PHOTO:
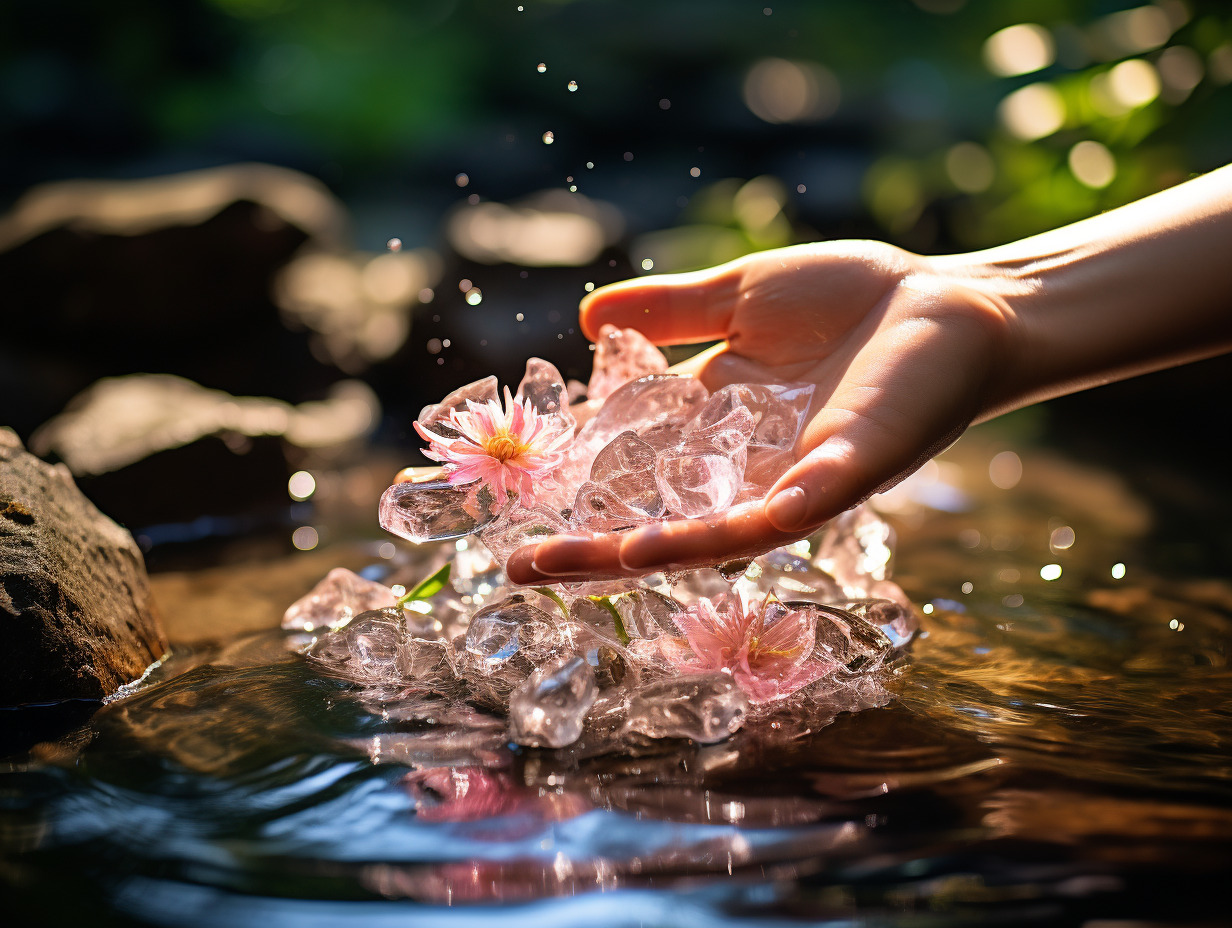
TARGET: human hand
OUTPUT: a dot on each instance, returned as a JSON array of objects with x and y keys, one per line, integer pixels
[{"x": 904, "y": 356}]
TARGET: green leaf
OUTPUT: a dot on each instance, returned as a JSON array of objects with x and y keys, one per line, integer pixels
[{"x": 428, "y": 587}]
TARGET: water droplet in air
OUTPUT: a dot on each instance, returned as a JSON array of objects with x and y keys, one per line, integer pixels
[
  {"x": 465, "y": 284},
  {"x": 572, "y": 85},
  {"x": 462, "y": 180},
  {"x": 665, "y": 104},
  {"x": 394, "y": 244},
  {"x": 628, "y": 156},
  {"x": 542, "y": 67},
  {"x": 519, "y": 9},
  {"x": 573, "y": 188},
  {"x": 800, "y": 188},
  {"x": 474, "y": 296},
  {"x": 590, "y": 285},
  {"x": 426, "y": 295},
  {"x": 695, "y": 172},
  {"x": 590, "y": 165},
  {"x": 549, "y": 137},
  {"x": 519, "y": 317},
  {"x": 647, "y": 264}
]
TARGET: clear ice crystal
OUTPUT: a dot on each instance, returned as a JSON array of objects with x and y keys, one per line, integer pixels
[
  {"x": 697, "y": 482},
  {"x": 847, "y": 639},
  {"x": 435, "y": 510},
  {"x": 366, "y": 649},
  {"x": 648, "y": 613},
  {"x": 704, "y": 707},
  {"x": 625, "y": 466},
  {"x": 334, "y": 601},
  {"x": 896, "y": 621},
  {"x": 621, "y": 355},
  {"x": 779, "y": 412},
  {"x": 508, "y": 627},
  {"x": 660, "y": 400},
  {"x": 518, "y": 526},
  {"x": 597, "y": 508},
  {"x": 433, "y": 415},
  {"x": 549, "y": 708},
  {"x": 790, "y": 576},
  {"x": 857, "y": 549},
  {"x": 546, "y": 390}
]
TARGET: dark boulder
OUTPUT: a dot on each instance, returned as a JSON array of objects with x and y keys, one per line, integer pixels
[{"x": 76, "y": 614}]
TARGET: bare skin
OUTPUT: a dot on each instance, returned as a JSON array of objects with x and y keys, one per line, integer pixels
[{"x": 906, "y": 351}]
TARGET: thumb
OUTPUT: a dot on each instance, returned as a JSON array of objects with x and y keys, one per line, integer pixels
[{"x": 669, "y": 309}]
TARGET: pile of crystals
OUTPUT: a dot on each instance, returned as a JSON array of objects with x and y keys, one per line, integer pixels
[
  {"x": 792, "y": 637},
  {"x": 645, "y": 446},
  {"x": 803, "y": 633}
]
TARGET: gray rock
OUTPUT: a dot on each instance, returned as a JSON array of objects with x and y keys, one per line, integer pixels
[{"x": 76, "y": 615}]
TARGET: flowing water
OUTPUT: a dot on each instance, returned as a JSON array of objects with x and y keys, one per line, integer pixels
[{"x": 1055, "y": 751}]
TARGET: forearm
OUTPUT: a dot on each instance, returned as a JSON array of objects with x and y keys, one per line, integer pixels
[{"x": 1132, "y": 290}]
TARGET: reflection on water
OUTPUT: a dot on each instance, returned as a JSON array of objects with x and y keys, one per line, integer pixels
[{"x": 1055, "y": 751}]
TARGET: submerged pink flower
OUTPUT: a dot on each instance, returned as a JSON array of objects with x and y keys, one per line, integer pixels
[
  {"x": 768, "y": 648},
  {"x": 508, "y": 449}
]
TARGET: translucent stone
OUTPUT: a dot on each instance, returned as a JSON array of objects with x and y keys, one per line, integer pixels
[
  {"x": 847, "y": 639},
  {"x": 791, "y": 577},
  {"x": 897, "y": 622},
  {"x": 622, "y": 355},
  {"x": 704, "y": 707},
  {"x": 366, "y": 650},
  {"x": 517, "y": 527},
  {"x": 592, "y": 615},
  {"x": 597, "y": 508},
  {"x": 481, "y": 391},
  {"x": 436, "y": 510},
  {"x": 425, "y": 662},
  {"x": 644, "y": 404},
  {"x": 513, "y": 625},
  {"x": 546, "y": 390},
  {"x": 549, "y": 708},
  {"x": 729, "y": 435},
  {"x": 697, "y": 481},
  {"x": 625, "y": 466},
  {"x": 613, "y": 666},
  {"x": 476, "y": 572},
  {"x": 648, "y": 613},
  {"x": 857, "y": 549},
  {"x": 334, "y": 601},
  {"x": 779, "y": 412}
]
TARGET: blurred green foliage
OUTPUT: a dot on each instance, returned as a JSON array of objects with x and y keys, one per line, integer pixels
[{"x": 377, "y": 92}]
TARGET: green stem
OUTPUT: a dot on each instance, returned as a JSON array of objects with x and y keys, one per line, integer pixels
[
  {"x": 555, "y": 597},
  {"x": 606, "y": 602}
]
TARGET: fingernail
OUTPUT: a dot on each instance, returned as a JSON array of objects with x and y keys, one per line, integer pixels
[
  {"x": 562, "y": 555},
  {"x": 787, "y": 510},
  {"x": 521, "y": 569}
]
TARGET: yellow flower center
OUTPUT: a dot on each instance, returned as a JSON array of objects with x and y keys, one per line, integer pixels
[{"x": 503, "y": 446}]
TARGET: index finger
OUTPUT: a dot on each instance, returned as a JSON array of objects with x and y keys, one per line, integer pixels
[{"x": 669, "y": 309}]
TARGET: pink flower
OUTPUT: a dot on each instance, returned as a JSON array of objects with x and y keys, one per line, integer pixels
[
  {"x": 508, "y": 449},
  {"x": 767, "y": 649}
]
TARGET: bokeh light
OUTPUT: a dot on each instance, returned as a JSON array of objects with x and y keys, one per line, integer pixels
[
  {"x": 1019, "y": 49},
  {"x": 781, "y": 91},
  {"x": 1032, "y": 112},
  {"x": 970, "y": 167},
  {"x": 1093, "y": 164}
]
